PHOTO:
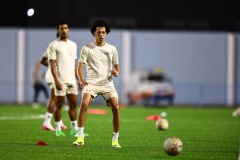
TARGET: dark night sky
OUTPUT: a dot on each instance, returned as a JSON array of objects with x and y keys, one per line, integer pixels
[{"x": 207, "y": 15}]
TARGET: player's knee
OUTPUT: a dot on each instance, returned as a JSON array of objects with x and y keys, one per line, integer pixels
[
  {"x": 73, "y": 104},
  {"x": 59, "y": 104},
  {"x": 84, "y": 104},
  {"x": 115, "y": 106}
]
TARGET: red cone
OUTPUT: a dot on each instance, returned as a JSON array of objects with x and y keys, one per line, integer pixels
[
  {"x": 41, "y": 143},
  {"x": 153, "y": 117}
]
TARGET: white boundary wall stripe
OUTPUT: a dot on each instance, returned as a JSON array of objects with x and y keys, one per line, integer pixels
[
  {"x": 230, "y": 69},
  {"x": 20, "y": 65},
  {"x": 126, "y": 67}
]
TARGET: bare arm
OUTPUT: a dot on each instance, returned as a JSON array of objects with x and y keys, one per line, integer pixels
[
  {"x": 44, "y": 61},
  {"x": 116, "y": 70},
  {"x": 81, "y": 81},
  {"x": 76, "y": 70},
  {"x": 54, "y": 74}
]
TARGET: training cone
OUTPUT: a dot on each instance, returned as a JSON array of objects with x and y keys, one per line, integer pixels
[
  {"x": 97, "y": 111},
  {"x": 41, "y": 143},
  {"x": 153, "y": 118}
]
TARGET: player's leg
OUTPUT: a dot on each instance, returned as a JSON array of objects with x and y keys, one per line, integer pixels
[
  {"x": 111, "y": 96},
  {"x": 86, "y": 99},
  {"x": 58, "y": 114},
  {"x": 50, "y": 109},
  {"x": 113, "y": 102},
  {"x": 45, "y": 91},
  {"x": 35, "y": 96},
  {"x": 72, "y": 103},
  {"x": 59, "y": 100},
  {"x": 82, "y": 115}
]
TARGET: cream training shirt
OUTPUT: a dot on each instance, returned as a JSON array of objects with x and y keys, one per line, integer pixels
[
  {"x": 99, "y": 61},
  {"x": 48, "y": 75},
  {"x": 65, "y": 54}
]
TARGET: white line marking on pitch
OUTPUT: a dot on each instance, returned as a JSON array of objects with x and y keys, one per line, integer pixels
[{"x": 22, "y": 117}]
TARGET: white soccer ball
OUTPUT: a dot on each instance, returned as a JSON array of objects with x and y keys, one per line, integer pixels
[
  {"x": 236, "y": 112},
  {"x": 162, "y": 124},
  {"x": 172, "y": 146},
  {"x": 163, "y": 114}
]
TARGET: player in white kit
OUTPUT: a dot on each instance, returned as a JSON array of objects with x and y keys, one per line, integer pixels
[
  {"x": 62, "y": 55},
  {"x": 101, "y": 60}
]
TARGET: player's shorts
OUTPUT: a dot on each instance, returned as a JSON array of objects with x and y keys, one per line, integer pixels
[
  {"x": 68, "y": 88},
  {"x": 106, "y": 92}
]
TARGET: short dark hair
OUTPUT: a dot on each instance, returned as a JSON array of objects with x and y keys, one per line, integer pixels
[
  {"x": 100, "y": 23},
  {"x": 61, "y": 23}
]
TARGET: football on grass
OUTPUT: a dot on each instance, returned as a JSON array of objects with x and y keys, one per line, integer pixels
[
  {"x": 162, "y": 124},
  {"x": 172, "y": 146}
]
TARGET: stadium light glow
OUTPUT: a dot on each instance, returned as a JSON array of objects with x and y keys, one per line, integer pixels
[{"x": 30, "y": 12}]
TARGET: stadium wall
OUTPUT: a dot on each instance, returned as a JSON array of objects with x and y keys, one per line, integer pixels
[{"x": 196, "y": 61}]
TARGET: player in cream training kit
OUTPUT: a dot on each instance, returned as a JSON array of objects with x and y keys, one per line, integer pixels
[
  {"x": 62, "y": 55},
  {"x": 51, "y": 104},
  {"x": 101, "y": 61}
]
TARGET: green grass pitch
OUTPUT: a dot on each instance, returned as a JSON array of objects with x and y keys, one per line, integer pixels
[{"x": 206, "y": 134}]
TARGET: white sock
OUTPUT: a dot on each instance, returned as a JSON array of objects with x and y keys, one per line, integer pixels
[
  {"x": 81, "y": 132},
  {"x": 74, "y": 125},
  {"x": 61, "y": 122},
  {"x": 58, "y": 125},
  {"x": 48, "y": 117},
  {"x": 115, "y": 136}
]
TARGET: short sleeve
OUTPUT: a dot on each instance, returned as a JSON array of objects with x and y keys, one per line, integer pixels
[
  {"x": 52, "y": 51},
  {"x": 115, "y": 56},
  {"x": 75, "y": 51},
  {"x": 83, "y": 55}
]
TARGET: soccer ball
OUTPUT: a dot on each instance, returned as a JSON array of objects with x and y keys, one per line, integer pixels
[
  {"x": 163, "y": 114},
  {"x": 236, "y": 112},
  {"x": 172, "y": 146},
  {"x": 162, "y": 124}
]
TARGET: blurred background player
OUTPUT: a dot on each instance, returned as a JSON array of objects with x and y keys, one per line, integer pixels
[
  {"x": 62, "y": 55},
  {"x": 51, "y": 103},
  {"x": 38, "y": 84}
]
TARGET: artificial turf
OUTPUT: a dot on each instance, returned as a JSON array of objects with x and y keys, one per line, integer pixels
[{"x": 207, "y": 133}]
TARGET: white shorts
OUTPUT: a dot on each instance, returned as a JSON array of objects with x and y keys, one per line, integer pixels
[
  {"x": 68, "y": 88},
  {"x": 106, "y": 92}
]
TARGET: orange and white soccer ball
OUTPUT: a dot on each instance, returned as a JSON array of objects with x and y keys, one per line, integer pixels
[
  {"x": 162, "y": 124},
  {"x": 172, "y": 146}
]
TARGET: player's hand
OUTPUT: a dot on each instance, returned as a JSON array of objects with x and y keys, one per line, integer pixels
[
  {"x": 81, "y": 84},
  {"x": 115, "y": 73},
  {"x": 58, "y": 85}
]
